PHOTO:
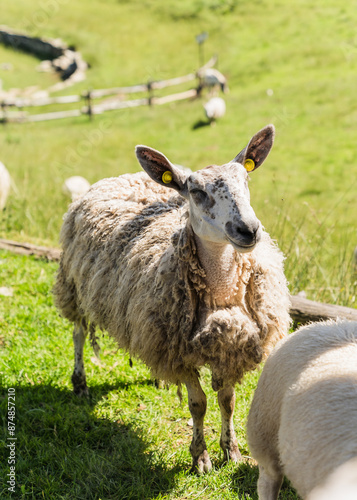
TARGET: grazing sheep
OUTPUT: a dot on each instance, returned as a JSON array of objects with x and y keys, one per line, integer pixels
[
  {"x": 303, "y": 419},
  {"x": 215, "y": 108},
  {"x": 180, "y": 280},
  {"x": 75, "y": 186},
  {"x": 212, "y": 79},
  {"x": 5, "y": 182}
]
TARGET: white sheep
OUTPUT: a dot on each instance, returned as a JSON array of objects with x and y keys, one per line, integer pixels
[
  {"x": 5, "y": 184},
  {"x": 341, "y": 484},
  {"x": 176, "y": 267},
  {"x": 215, "y": 108},
  {"x": 303, "y": 418},
  {"x": 75, "y": 186}
]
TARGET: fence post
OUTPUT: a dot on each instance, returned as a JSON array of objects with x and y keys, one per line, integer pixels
[
  {"x": 200, "y": 39},
  {"x": 4, "y": 114},
  {"x": 149, "y": 86},
  {"x": 88, "y": 98}
]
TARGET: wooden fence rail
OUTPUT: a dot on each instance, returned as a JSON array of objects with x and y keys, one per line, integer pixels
[
  {"x": 152, "y": 85},
  {"x": 189, "y": 94},
  {"x": 26, "y": 102},
  {"x": 70, "y": 113},
  {"x": 89, "y": 95},
  {"x": 115, "y": 104},
  {"x": 143, "y": 87},
  {"x": 112, "y": 105},
  {"x": 302, "y": 310},
  {"x": 23, "y": 102}
]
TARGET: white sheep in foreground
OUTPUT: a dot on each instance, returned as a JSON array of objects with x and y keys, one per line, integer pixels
[
  {"x": 180, "y": 280},
  {"x": 75, "y": 186},
  {"x": 215, "y": 108},
  {"x": 5, "y": 184},
  {"x": 303, "y": 418},
  {"x": 341, "y": 484}
]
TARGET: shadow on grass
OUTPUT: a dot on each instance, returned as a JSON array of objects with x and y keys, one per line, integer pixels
[
  {"x": 244, "y": 480},
  {"x": 244, "y": 483},
  {"x": 65, "y": 451},
  {"x": 200, "y": 124}
]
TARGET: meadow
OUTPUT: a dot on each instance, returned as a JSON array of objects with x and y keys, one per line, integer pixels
[{"x": 291, "y": 64}]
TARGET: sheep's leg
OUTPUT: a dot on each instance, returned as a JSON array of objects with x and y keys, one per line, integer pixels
[
  {"x": 197, "y": 403},
  {"x": 79, "y": 377},
  {"x": 268, "y": 485},
  {"x": 228, "y": 441}
]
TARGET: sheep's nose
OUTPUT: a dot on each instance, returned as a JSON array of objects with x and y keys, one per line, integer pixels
[{"x": 247, "y": 233}]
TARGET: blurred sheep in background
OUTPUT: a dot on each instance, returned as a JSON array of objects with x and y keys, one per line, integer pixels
[
  {"x": 215, "y": 108},
  {"x": 5, "y": 182},
  {"x": 75, "y": 186}
]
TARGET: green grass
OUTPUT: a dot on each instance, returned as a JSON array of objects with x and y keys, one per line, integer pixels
[
  {"x": 128, "y": 441},
  {"x": 305, "y": 195}
]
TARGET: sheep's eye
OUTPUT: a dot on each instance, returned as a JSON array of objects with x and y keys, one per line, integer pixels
[{"x": 199, "y": 195}]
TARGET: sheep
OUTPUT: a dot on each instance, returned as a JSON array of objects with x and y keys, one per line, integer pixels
[
  {"x": 180, "y": 280},
  {"x": 211, "y": 78},
  {"x": 75, "y": 186},
  {"x": 342, "y": 483},
  {"x": 303, "y": 419},
  {"x": 5, "y": 184},
  {"x": 215, "y": 108}
]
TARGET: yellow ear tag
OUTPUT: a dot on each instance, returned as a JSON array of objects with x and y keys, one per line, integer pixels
[
  {"x": 249, "y": 165},
  {"x": 167, "y": 177}
]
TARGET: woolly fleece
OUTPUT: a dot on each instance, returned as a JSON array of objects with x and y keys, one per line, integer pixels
[{"x": 129, "y": 266}]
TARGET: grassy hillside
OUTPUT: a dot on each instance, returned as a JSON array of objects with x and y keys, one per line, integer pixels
[
  {"x": 291, "y": 64},
  {"x": 306, "y": 55}
]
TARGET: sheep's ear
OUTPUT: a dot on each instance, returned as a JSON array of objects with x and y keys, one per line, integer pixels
[
  {"x": 161, "y": 170},
  {"x": 253, "y": 155}
]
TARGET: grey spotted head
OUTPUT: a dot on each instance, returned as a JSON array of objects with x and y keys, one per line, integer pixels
[{"x": 218, "y": 196}]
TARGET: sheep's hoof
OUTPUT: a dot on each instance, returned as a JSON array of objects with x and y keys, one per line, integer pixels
[
  {"x": 202, "y": 464},
  {"x": 81, "y": 391},
  {"x": 80, "y": 385},
  {"x": 230, "y": 450},
  {"x": 233, "y": 455}
]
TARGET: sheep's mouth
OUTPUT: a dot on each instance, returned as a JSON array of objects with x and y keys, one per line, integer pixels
[{"x": 241, "y": 247}]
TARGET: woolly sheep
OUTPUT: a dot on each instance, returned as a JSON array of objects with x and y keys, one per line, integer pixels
[
  {"x": 211, "y": 78},
  {"x": 215, "y": 108},
  {"x": 303, "y": 419},
  {"x": 75, "y": 186},
  {"x": 5, "y": 182},
  {"x": 180, "y": 280}
]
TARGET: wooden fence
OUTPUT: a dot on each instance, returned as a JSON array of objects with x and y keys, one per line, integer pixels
[
  {"x": 114, "y": 100},
  {"x": 301, "y": 310}
]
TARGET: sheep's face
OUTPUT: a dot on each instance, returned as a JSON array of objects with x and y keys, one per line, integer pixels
[
  {"x": 218, "y": 197},
  {"x": 220, "y": 208}
]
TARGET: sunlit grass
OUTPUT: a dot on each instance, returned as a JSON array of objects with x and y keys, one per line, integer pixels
[{"x": 128, "y": 441}]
